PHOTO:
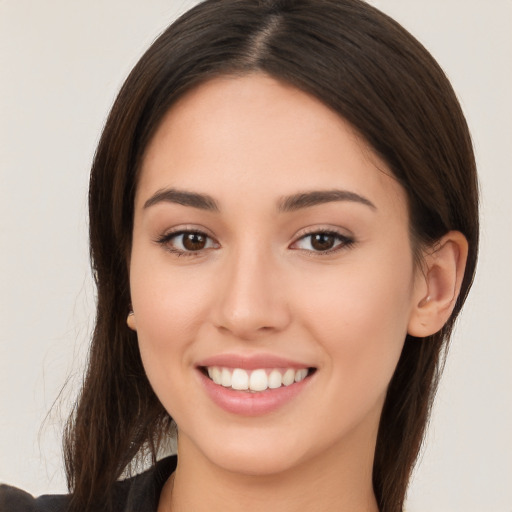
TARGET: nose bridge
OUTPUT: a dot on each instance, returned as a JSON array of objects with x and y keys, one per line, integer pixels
[{"x": 250, "y": 301}]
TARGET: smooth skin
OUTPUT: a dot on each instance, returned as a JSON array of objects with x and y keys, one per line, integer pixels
[{"x": 331, "y": 283}]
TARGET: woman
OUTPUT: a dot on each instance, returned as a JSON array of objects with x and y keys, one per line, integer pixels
[{"x": 284, "y": 228}]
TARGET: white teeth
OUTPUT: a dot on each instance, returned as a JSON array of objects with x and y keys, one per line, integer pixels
[
  {"x": 301, "y": 375},
  {"x": 225, "y": 378},
  {"x": 258, "y": 380},
  {"x": 239, "y": 379},
  {"x": 289, "y": 377},
  {"x": 217, "y": 375},
  {"x": 255, "y": 380},
  {"x": 275, "y": 380}
]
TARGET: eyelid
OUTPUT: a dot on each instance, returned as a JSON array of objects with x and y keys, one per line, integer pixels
[
  {"x": 323, "y": 228},
  {"x": 346, "y": 240},
  {"x": 186, "y": 228},
  {"x": 168, "y": 235}
]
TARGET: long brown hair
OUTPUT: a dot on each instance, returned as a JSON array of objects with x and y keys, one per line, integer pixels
[{"x": 374, "y": 74}]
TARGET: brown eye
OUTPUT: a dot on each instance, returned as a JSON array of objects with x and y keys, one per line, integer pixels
[
  {"x": 185, "y": 243},
  {"x": 323, "y": 241},
  {"x": 194, "y": 241}
]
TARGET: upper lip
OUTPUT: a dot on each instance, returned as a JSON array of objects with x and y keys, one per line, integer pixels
[{"x": 251, "y": 361}]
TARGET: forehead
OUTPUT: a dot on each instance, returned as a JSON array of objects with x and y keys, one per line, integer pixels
[{"x": 254, "y": 133}]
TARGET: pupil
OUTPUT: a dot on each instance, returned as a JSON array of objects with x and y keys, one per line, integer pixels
[
  {"x": 194, "y": 241},
  {"x": 322, "y": 241}
]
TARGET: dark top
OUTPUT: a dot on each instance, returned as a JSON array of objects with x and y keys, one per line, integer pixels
[{"x": 140, "y": 493}]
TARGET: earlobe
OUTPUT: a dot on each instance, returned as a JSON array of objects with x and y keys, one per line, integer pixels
[
  {"x": 130, "y": 321},
  {"x": 439, "y": 285}
]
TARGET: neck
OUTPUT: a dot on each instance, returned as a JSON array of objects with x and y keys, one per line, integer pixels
[{"x": 338, "y": 480}]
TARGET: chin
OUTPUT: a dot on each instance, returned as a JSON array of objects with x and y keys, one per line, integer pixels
[
  {"x": 256, "y": 462},
  {"x": 254, "y": 454}
]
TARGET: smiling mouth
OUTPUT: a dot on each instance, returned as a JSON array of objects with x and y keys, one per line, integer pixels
[{"x": 255, "y": 381}]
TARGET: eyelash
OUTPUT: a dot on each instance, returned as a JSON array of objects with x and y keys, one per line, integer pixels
[
  {"x": 165, "y": 240},
  {"x": 343, "y": 242}
]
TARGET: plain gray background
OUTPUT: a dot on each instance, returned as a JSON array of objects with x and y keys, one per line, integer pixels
[{"x": 61, "y": 64}]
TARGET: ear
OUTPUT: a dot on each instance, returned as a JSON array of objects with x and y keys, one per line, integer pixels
[
  {"x": 130, "y": 321},
  {"x": 438, "y": 284}
]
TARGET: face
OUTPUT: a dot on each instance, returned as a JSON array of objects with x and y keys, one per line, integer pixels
[{"x": 271, "y": 275}]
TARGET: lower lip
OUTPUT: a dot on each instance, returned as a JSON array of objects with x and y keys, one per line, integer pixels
[{"x": 246, "y": 403}]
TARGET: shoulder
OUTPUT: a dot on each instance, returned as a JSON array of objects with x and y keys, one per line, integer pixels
[
  {"x": 141, "y": 492},
  {"x": 13, "y": 499}
]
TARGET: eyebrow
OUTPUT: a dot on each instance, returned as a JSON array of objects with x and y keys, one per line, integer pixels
[
  {"x": 193, "y": 199},
  {"x": 309, "y": 199},
  {"x": 286, "y": 204}
]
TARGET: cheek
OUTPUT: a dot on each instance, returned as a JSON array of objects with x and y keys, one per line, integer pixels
[
  {"x": 168, "y": 306},
  {"x": 360, "y": 319},
  {"x": 166, "y": 302}
]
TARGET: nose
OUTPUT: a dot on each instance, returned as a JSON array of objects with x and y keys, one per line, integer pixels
[{"x": 251, "y": 299}]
